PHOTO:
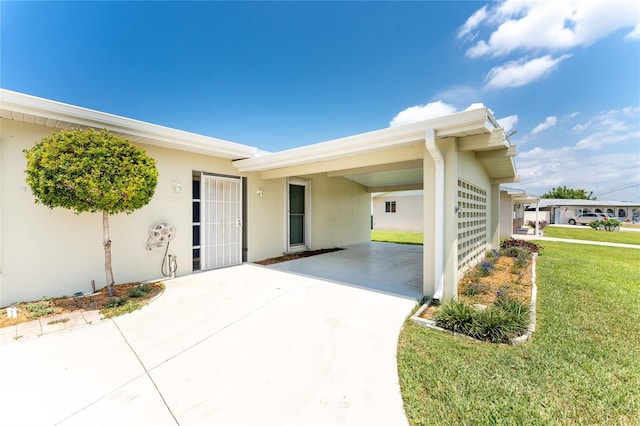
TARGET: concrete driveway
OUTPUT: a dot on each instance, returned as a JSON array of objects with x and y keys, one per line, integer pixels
[{"x": 241, "y": 345}]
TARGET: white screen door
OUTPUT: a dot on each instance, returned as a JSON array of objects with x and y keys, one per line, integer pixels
[{"x": 220, "y": 221}]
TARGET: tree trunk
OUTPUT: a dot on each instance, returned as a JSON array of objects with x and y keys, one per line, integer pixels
[{"x": 107, "y": 253}]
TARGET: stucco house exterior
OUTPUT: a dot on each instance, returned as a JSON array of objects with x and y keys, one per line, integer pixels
[
  {"x": 232, "y": 203},
  {"x": 398, "y": 211}
]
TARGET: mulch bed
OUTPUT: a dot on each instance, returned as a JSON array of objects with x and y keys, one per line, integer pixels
[
  {"x": 63, "y": 305},
  {"x": 516, "y": 281},
  {"x": 293, "y": 256}
]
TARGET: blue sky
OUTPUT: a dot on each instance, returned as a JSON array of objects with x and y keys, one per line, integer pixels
[{"x": 276, "y": 75}]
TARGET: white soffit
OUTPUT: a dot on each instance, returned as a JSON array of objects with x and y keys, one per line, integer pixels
[
  {"x": 34, "y": 110},
  {"x": 389, "y": 178}
]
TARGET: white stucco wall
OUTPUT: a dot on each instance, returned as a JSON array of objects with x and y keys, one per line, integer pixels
[
  {"x": 55, "y": 252},
  {"x": 506, "y": 215},
  {"x": 340, "y": 212},
  {"x": 408, "y": 216}
]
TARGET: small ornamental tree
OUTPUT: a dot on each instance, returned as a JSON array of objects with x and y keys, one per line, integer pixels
[{"x": 91, "y": 171}]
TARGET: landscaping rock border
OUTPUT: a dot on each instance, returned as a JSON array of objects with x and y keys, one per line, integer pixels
[{"x": 417, "y": 319}]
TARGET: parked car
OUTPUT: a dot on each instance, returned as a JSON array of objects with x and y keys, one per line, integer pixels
[{"x": 587, "y": 218}]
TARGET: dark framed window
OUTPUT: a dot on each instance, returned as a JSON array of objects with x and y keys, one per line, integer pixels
[{"x": 390, "y": 206}]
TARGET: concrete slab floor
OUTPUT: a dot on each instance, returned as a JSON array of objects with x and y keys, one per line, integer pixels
[{"x": 386, "y": 267}]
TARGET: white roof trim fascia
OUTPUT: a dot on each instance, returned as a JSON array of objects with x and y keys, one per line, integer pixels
[
  {"x": 391, "y": 137},
  {"x": 155, "y": 134}
]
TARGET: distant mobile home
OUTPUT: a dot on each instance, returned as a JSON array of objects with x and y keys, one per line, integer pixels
[
  {"x": 560, "y": 211},
  {"x": 230, "y": 203}
]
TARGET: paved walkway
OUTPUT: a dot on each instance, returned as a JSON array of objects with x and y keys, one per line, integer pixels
[
  {"x": 52, "y": 324},
  {"x": 567, "y": 240},
  {"x": 239, "y": 345}
]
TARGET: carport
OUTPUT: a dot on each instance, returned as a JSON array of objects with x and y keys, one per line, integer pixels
[
  {"x": 458, "y": 160},
  {"x": 390, "y": 268}
]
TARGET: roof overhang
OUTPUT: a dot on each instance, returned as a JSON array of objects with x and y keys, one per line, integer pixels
[
  {"x": 57, "y": 115},
  {"x": 391, "y": 159},
  {"x": 520, "y": 195}
]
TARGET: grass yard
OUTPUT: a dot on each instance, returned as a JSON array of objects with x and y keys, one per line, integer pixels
[
  {"x": 581, "y": 366},
  {"x": 586, "y": 233},
  {"x": 397, "y": 237}
]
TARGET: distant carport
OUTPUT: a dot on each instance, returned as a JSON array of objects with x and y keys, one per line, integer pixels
[{"x": 384, "y": 267}]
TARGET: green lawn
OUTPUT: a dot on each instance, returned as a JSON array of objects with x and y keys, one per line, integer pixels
[
  {"x": 397, "y": 237},
  {"x": 581, "y": 366},
  {"x": 586, "y": 233}
]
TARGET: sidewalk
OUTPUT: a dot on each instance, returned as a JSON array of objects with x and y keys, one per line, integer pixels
[
  {"x": 566, "y": 240},
  {"x": 47, "y": 325}
]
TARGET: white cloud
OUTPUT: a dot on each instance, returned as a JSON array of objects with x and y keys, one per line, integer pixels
[
  {"x": 473, "y": 22},
  {"x": 422, "y": 112},
  {"x": 546, "y": 124},
  {"x": 521, "y": 72},
  {"x": 533, "y": 25},
  {"x": 635, "y": 34},
  {"x": 508, "y": 122}
]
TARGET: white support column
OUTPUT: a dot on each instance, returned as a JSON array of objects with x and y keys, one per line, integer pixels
[{"x": 437, "y": 209}]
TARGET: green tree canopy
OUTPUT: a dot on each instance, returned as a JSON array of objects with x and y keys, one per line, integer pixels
[
  {"x": 91, "y": 171},
  {"x": 562, "y": 192}
]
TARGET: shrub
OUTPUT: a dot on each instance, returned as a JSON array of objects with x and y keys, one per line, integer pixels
[
  {"x": 476, "y": 288},
  {"x": 114, "y": 302},
  {"x": 136, "y": 292},
  {"x": 516, "y": 252},
  {"x": 512, "y": 306},
  {"x": 507, "y": 318},
  {"x": 513, "y": 242},
  {"x": 492, "y": 325},
  {"x": 492, "y": 255},
  {"x": 611, "y": 224},
  {"x": 456, "y": 316},
  {"x": 485, "y": 268},
  {"x": 41, "y": 308},
  {"x": 541, "y": 224},
  {"x": 140, "y": 290},
  {"x": 595, "y": 224},
  {"x": 125, "y": 307}
]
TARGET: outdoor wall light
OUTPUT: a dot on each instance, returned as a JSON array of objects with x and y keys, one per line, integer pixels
[
  {"x": 260, "y": 192},
  {"x": 177, "y": 188}
]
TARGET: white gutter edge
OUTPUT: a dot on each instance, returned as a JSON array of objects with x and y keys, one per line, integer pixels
[
  {"x": 390, "y": 137},
  {"x": 15, "y": 102},
  {"x": 430, "y": 141}
]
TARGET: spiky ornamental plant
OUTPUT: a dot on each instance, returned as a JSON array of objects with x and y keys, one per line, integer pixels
[{"x": 91, "y": 171}]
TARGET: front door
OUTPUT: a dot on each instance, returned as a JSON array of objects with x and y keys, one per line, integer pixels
[
  {"x": 220, "y": 221},
  {"x": 298, "y": 218}
]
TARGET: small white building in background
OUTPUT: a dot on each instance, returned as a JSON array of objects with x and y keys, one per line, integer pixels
[
  {"x": 403, "y": 210},
  {"x": 398, "y": 211}
]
